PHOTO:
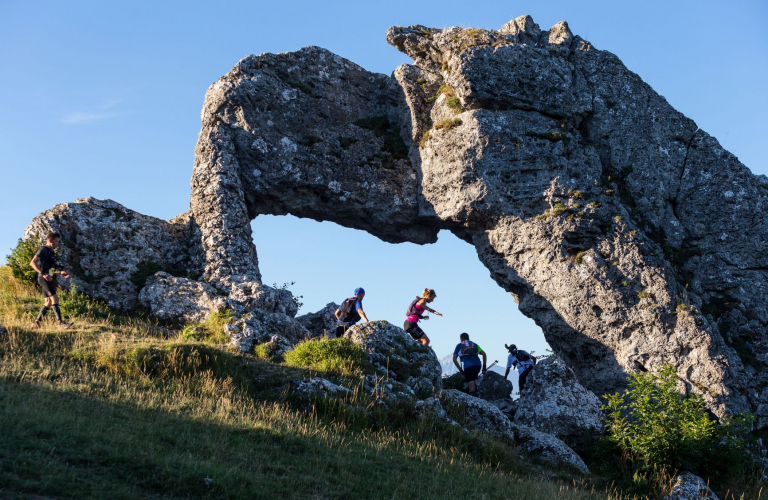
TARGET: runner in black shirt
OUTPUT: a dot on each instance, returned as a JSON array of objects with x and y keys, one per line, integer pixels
[{"x": 43, "y": 262}]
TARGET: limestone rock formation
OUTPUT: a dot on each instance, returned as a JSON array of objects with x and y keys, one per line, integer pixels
[
  {"x": 111, "y": 251},
  {"x": 627, "y": 233},
  {"x": 556, "y": 403},
  {"x": 321, "y": 323},
  {"x": 484, "y": 416},
  {"x": 586, "y": 194},
  {"x": 395, "y": 353}
]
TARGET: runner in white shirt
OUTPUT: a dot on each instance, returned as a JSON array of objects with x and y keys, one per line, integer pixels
[{"x": 522, "y": 361}]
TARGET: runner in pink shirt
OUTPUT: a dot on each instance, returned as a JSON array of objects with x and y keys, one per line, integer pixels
[{"x": 416, "y": 312}]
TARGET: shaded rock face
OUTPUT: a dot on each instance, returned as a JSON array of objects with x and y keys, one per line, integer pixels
[
  {"x": 556, "y": 403},
  {"x": 112, "y": 251},
  {"x": 629, "y": 235},
  {"x": 481, "y": 415},
  {"x": 395, "y": 353}
]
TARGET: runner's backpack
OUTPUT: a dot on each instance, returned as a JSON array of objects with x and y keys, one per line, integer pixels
[
  {"x": 469, "y": 349},
  {"x": 412, "y": 308},
  {"x": 349, "y": 312},
  {"x": 522, "y": 356}
]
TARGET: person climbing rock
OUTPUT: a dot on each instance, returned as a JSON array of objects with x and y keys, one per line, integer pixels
[
  {"x": 468, "y": 351},
  {"x": 415, "y": 313},
  {"x": 350, "y": 312},
  {"x": 44, "y": 262},
  {"x": 522, "y": 361}
]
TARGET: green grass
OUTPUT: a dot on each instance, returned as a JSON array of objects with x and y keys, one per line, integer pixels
[
  {"x": 340, "y": 357},
  {"x": 120, "y": 407}
]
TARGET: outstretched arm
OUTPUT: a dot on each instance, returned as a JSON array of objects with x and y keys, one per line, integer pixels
[
  {"x": 432, "y": 311},
  {"x": 506, "y": 374},
  {"x": 485, "y": 361}
]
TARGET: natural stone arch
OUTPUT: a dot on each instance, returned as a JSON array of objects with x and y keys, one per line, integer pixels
[{"x": 586, "y": 195}]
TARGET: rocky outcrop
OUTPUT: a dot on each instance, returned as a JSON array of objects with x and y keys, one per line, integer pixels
[
  {"x": 688, "y": 486},
  {"x": 493, "y": 386},
  {"x": 322, "y": 323},
  {"x": 111, "y": 251},
  {"x": 556, "y": 403},
  {"x": 399, "y": 357},
  {"x": 481, "y": 415},
  {"x": 629, "y": 235},
  {"x": 586, "y": 195}
]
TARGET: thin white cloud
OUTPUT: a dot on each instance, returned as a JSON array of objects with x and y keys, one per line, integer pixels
[{"x": 81, "y": 117}]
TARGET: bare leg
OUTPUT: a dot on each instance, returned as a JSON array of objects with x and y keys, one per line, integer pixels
[
  {"x": 423, "y": 340},
  {"x": 471, "y": 386}
]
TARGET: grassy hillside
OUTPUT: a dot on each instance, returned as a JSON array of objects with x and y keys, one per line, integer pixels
[{"x": 123, "y": 407}]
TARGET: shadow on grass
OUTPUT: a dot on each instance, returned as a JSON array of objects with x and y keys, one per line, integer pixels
[{"x": 67, "y": 445}]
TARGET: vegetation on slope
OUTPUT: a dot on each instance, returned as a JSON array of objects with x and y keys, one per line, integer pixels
[{"x": 124, "y": 407}]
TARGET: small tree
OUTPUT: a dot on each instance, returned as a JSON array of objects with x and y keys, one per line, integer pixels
[
  {"x": 659, "y": 429},
  {"x": 19, "y": 259}
]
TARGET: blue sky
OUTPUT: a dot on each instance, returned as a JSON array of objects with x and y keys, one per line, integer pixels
[{"x": 103, "y": 99}]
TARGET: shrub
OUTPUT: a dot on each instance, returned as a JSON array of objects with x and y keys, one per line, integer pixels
[
  {"x": 660, "y": 430},
  {"x": 19, "y": 260},
  {"x": 341, "y": 357}
]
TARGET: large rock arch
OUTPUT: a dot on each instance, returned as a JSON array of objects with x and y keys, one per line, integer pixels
[{"x": 629, "y": 235}]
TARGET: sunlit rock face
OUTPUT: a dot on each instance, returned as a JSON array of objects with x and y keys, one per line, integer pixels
[{"x": 628, "y": 234}]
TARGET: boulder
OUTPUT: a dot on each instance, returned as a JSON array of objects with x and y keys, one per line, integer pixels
[
  {"x": 394, "y": 352},
  {"x": 688, "y": 486},
  {"x": 258, "y": 327},
  {"x": 111, "y": 251},
  {"x": 180, "y": 299},
  {"x": 322, "y": 323},
  {"x": 493, "y": 386},
  {"x": 547, "y": 447},
  {"x": 556, "y": 403},
  {"x": 431, "y": 407},
  {"x": 483, "y": 416},
  {"x": 478, "y": 414}
]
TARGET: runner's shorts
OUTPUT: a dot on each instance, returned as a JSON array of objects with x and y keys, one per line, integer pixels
[
  {"x": 413, "y": 330},
  {"x": 49, "y": 287},
  {"x": 471, "y": 373}
]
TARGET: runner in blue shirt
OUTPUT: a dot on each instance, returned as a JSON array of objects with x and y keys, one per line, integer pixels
[
  {"x": 350, "y": 312},
  {"x": 468, "y": 351}
]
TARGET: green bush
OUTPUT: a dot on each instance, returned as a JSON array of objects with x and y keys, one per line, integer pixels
[
  {"x": 341, "y": 357},
  {"x": 660, "y": 430},
  {"x": 19, "y": 260}
]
